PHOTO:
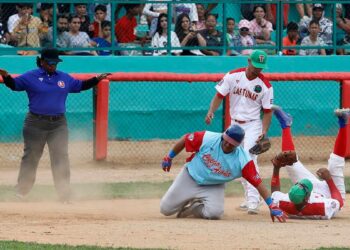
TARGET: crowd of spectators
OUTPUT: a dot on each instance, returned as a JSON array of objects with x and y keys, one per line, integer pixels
[{"x": 84, "y": 28}]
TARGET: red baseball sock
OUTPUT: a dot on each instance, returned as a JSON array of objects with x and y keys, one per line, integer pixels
[
  {"x": 287, "y": 140},
  {"x": 339, "y": 145}
]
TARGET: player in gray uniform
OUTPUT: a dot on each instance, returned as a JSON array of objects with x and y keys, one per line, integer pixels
[{"x": 217, "y": 158}]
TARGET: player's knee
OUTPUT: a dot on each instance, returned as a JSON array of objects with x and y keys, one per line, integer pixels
[
  {"x": 165, "y": 208},
  {"x": 212, "y": 213}
]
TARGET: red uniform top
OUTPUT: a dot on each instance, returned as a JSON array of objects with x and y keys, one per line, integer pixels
[{"x": 125, "y": 30}]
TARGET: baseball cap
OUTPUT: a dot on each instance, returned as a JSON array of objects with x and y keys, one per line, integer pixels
[
  {"x": 258, "y": 59},
  {"x": 244, "y": 23},
  {"x": 300, "y": 190},
  {"x": 317, "y": 6},
  {"x": 234, "y": 135},
  {"x": 50, "y": 55}
]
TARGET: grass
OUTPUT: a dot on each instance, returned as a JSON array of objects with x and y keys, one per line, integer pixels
[
  {"x": 128, "y": 190},
  {"x": 17, "y": 245}
]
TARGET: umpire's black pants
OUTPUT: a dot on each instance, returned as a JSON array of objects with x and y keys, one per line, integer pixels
[{"x": 39, "y": 130}]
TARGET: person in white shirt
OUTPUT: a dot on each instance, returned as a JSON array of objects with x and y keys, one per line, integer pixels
[
  {"x": 310, "y": 197},
  {"x": 160, "y": 38}
]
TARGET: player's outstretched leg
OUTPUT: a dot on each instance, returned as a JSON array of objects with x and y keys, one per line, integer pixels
[
  {"x": 285, "y": 121},
  {"x": 336, "y": 162}
]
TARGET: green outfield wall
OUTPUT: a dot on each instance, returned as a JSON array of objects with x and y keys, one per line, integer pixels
[{"x": 144, "y": 110}]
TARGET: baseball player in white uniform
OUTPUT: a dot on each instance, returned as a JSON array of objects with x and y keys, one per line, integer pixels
[
  {"x": 249, "y": 93},
  {"x": 310, "y": 197},
  {"x": 217, "y": 158}
]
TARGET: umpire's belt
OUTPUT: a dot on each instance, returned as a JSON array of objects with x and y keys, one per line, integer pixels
[
  {"x": 242, "y": 122},
  {"x": 48, "y": 117}
]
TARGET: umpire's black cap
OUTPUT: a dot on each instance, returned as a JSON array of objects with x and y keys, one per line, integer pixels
[{"x": 50, "y": 55}]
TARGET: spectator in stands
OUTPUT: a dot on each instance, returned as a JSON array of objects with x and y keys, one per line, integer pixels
[
  {"x": 344, "y": 24},
  {"x": 291, "y": 39},
  {"x": 230, "y": 30},
  {"x": 300, "y": 9},
  {"x": 28, "y": 31},
  {"x": 125, "y": 28},
  {"x": 77, "y": 38},
  {"x": 313, "y": 40},
  {"x": 62, "y": 36},
  {"x": 247, "y": 10},
  {"x": 81, "y": 12},
  {"x": 200, "y": 25},
  {"x": 152, "y": 11},
  {"x": 46, "y": 13},
  {"x": 160, "y": 38},
  {"x": 212, "y": 36},
  {"x": 189, "y": 8},
  {"x": 63, "y": 8},
  {"x": 271, "y": 14},
  {"x": 100, "y": 16},
  {"x": 105, "y": 40},
  {"x": 187, "y": 36},
  {"x": 22, "y": 10},
  {"x": 326, "y": 29},
  {"x": 243, "y": 39},
  {"x": 260, "y": 27}
]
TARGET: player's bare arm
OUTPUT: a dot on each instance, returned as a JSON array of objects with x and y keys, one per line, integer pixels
[
  {"x": 275, "y": 179},
  {"x": 266, "y": 121},
  {"x": 3, "y": 73},
  {"x": 324, "y": 174},
  {"x": 214, "y": 105},
  {"x": 167, "y": 160}
]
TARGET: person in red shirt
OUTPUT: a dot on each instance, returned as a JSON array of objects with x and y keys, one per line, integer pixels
[
  {"x": 291, "y": 39},
  {"x": 100, "y": 16},
  {"x": 125, "y": 28},
  {"x": 310, "y": 197}
]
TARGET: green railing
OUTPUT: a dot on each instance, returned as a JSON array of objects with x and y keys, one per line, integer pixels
[{"x": 224, "y": 9}]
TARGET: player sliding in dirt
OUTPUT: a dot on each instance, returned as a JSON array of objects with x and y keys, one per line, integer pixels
[
  {"x": 310, "y": 197},
  {"x": 217, "y": 158}
]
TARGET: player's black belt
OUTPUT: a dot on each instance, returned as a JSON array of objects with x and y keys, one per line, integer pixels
[
  {"x": 48, "y": 117},
  {"x": 242, "y": 122}
]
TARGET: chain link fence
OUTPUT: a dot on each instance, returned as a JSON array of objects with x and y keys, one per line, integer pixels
[
  {"x": 146, "y": 118},
  {"x": 144, "y": 124},
  {"x": 151, "y": 28}
]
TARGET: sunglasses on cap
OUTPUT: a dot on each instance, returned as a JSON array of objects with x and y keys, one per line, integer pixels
[
  {"x": 244, "y": 29},
  {"x": 52, "y": 63}
]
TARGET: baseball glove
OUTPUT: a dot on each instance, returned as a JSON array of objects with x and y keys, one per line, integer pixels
[
  {"x": 261, "y": 146},
  {"x": 285, "y": 158}
]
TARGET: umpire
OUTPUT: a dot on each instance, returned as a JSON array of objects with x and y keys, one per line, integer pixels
[{"x": 47, "y": 90}]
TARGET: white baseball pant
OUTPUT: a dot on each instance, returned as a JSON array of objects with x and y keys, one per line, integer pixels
[
  {"x": 184, "y": 189},
  {"x": 336, "y": 166}
]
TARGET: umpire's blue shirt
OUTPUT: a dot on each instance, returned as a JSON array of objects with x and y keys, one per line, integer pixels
[{"x": 47, "y": 94}]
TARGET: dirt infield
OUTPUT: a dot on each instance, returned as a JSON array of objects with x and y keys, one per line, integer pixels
[{"x": 138, "y": 223}]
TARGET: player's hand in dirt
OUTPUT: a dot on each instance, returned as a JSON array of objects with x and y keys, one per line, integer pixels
[
  {"x": 276, "y": 212},
  {"x": 166, "y": 163},
  {"x": 324, "y": 174},
  {"x": 209, "y": 117}
]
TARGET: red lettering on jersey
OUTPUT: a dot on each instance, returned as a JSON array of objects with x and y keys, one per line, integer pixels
[
  {"x": 214, "y": 166},
  {"x": 308, "y": 210},
  {"x": 250, "y": 174}
]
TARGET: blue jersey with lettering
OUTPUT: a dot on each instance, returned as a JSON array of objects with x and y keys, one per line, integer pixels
[
  {"x": 210, "y": 165},
  {"x": 47, "y": 94}
]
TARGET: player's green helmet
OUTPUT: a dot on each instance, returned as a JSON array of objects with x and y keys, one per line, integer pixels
[
  {"x": 258, "y": 59},
  {"x": 300, "y": 190}
]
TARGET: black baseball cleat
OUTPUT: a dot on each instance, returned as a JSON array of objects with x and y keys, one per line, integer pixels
[{"x": 189, "y": 207}]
